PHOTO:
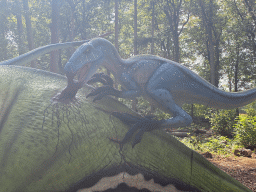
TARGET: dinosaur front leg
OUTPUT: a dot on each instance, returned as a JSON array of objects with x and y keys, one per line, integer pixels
[
  {"x": 68, "y": 94},
  {"x": 108, "y": 89}
]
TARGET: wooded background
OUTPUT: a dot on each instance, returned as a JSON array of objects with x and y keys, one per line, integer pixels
[{"x": 214, "y": 38}]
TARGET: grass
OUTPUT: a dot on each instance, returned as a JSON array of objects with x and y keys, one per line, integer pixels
[{"x": 218, "y": 145}]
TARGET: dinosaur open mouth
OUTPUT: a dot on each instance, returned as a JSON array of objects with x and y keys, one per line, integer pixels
[
  {"x": 128, "y": 178},
  {"x": 81, "y": 74}
]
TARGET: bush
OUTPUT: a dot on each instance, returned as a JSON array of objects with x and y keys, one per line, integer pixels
[
  {"x": 251, "y": 109},
  {"x": 246, "y": 131},
  {"x": 220, "y": 145},
  {"x": 223, "y": 122}
]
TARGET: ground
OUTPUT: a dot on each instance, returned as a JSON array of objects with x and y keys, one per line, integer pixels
[{"x": 242, "y": 169}]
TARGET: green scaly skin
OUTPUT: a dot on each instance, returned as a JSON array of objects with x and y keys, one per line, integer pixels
[{"x": 46, "y": 147}]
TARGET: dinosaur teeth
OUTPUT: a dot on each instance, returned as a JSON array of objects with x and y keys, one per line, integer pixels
[{"x": 136, "y": 181}]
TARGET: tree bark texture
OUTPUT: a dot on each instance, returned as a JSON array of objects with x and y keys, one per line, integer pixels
[
  {"x": 30, "y": 37},
  {"x": 152, "y": 26},
  {"x": 116, "y": 25},
  {"x": 54, "y": 56},
  {"x": 17, "y": 13},
  {"x": 135, "y": 28},
  {"x": 172, "y": 11},
  {"x": 208, "y": 24}
]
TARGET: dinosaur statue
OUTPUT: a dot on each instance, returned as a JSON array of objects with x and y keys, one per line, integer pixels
[
  {"x": 53, "y": 146},
  {"x": 162, "y": 82},
  {"x": 50, "y": 145}
]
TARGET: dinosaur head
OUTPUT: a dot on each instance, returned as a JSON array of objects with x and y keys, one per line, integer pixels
[{"x": 85, "y": 60}]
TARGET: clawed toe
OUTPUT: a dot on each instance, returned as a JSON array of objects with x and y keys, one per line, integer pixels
[
  {"x": 100, "y": 92},
  {"x": 102, "y": 78},
  {"x": 139, "y": 125}
]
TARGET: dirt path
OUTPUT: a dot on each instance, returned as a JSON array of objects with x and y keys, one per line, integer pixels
[{"x": 242, "y": 169}]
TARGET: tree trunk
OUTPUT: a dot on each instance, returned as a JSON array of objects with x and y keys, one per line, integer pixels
[
  {"x": 211, "y": 45},
  {"x": 217, "y": 61},
  {"x": 71, "y": 31},
  {"x": 19, "y": 27},
  {"x": 207, "y": 20},
  {"x": 236, "y": 73},
  {"x": 83, "y": 32},
  {"x": 172, "y": 11},
  {"x": 135, "y": 28},
  {"x": 176, "y": 46},
  {"x": 135, "y": 101},
  {"x": 116, "y": 25},
  {"x": 54, "y": 56},
  {"x": 3, "y": 30},
  {"x": 152, "y": 27},
  {"x": 30, "y": 37}
]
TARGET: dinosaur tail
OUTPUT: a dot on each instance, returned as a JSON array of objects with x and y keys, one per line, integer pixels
[{"x": 225, "y": 100}]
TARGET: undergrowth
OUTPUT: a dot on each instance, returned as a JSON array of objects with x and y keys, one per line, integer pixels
[{"x": 219, "y": 145}]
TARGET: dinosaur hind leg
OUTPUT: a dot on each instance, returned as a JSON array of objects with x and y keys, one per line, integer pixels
[
  {"x": 180, "y": 117},
  {"x": 164, "y": 100}
]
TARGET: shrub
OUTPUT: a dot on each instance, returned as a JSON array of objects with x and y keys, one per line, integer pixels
[
  {"x": 219, "y": 144},
  {"x": 246, "y": 131},
  {"x": 251, "y": 109},
  {"x": 223, "y": 122}
]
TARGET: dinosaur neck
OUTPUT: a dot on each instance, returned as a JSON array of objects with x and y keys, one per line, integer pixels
[{"x": 113, "y": 62}]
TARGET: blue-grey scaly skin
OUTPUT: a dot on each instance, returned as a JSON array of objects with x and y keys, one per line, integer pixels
[{"x": 162, "y": 82}]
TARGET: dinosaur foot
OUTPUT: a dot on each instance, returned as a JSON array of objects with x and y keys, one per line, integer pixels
[
  {"x": 139, "y": 125},
  {"x": 102, "y": 78},
  {"x": 106, "y": 89},
  {"x": 100, "y": 92},
  {"x": 68, "y": 94}
]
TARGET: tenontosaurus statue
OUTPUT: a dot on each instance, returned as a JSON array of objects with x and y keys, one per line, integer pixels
[
  {"x": 48, "y": 146},
  {"x": 164, "y": 83}
]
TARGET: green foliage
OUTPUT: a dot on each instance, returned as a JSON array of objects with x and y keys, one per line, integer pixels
[
  {"x": 246, "y": 130},
  {"x": 220, "y": 145},
  {"x": 193, "y": 142},
  {"x": 198, "y": 110},
  {"x": 251, "y": 109},
  {"x": 223, "y": 122}
]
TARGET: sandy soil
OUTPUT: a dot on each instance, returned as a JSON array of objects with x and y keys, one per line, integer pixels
[{"x": 242, "y": 169}]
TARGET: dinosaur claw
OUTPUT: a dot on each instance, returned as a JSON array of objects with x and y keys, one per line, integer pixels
[
  {"x": 129, "y": 134},
  {"x": 98, "y": 97},
  {"x": 138, "y": 124},
  {"x": 103, "y": 91},
  {"x": 102, "y": 78},
  {"x": 138, "y": 137}
]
